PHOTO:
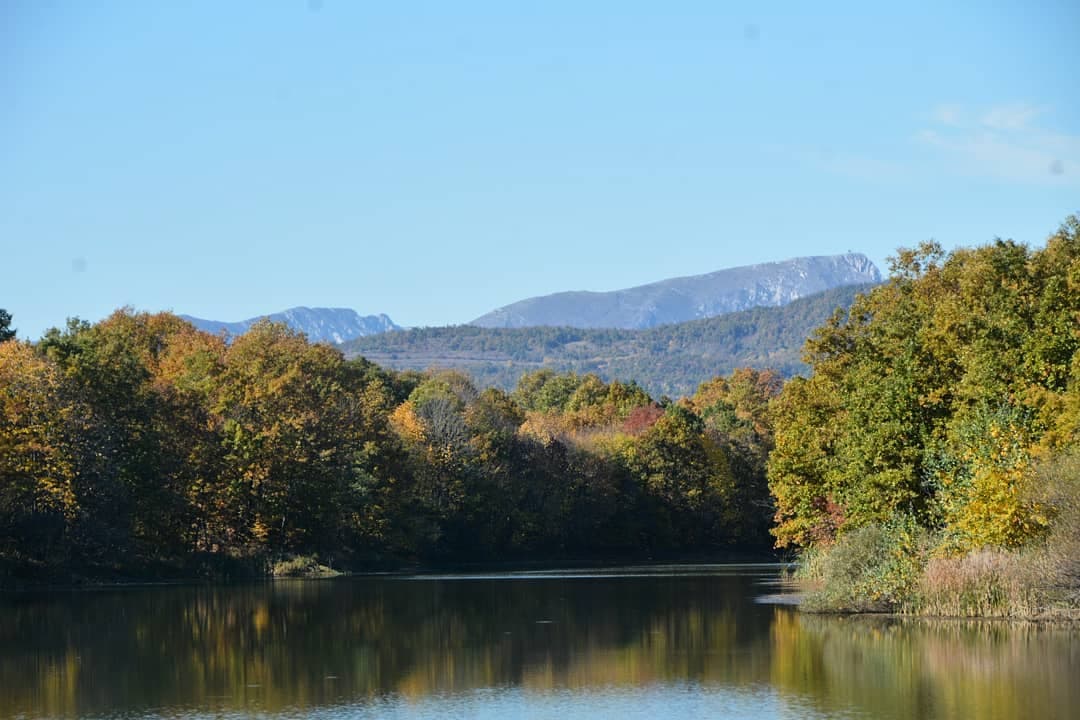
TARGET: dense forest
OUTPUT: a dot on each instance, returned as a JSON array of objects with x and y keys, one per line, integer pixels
[
  {"x": 666, "y": 360},
  {"x": 140, "y": 446},
  {"x": 929, "y": 460}
]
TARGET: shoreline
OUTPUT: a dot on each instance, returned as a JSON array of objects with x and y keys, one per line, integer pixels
[{"x": 574, "y": 563}]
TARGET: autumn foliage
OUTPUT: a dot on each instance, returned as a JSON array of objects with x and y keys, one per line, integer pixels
[
  {"x": 933, "y": 403},
  {"x": 140, "y": 445}
]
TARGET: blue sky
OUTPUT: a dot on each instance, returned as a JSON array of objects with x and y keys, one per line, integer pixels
[{"x": 435, "y": 160}]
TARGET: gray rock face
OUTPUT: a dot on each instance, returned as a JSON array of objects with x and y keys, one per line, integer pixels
[
  {"x": 687, "y": 298},
  {"x": 333, "y": 325}
]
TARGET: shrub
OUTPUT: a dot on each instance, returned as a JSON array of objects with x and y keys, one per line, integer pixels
[
  {"x": 301, "y": 566},
  {"x": 871, "y": 569}
]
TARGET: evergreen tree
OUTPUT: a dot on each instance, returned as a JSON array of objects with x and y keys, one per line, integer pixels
[{"x": 6, "y": 331}]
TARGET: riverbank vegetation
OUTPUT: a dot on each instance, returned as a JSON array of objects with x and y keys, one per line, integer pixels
[
  {"x": 928, "y": 464},
  {"x": 140, "y": 447}
]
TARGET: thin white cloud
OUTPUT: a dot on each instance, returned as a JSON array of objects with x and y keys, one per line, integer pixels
[
  {"x": 1011, "y": 117},
  {"x": 1005, "y": 143}
]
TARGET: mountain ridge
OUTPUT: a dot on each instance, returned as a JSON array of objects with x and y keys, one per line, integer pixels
[
  {"x": 690, "y": 297},
  {"x": 333, "y": 325}
]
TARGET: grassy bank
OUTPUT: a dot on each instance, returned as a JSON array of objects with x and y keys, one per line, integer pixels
[{"x": 901, "y": 567}]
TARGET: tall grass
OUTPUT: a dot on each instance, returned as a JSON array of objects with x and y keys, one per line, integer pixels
[
  {"x": 894, "y": 567},
  {"x": 985, "y": 583},
  {"x": 1057, "y": 562}
]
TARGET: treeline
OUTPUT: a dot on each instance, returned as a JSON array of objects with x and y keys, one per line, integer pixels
[
  {"x": 929, "y": 461},
  {"x": 666, "y": 360},
  {"x": 141, "y": 446}
]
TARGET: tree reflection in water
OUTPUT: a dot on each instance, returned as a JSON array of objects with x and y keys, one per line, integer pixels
[{"x": 285, "y": 647}]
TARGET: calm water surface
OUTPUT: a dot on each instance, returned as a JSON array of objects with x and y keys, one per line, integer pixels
[{"x": 680, "y": 642}]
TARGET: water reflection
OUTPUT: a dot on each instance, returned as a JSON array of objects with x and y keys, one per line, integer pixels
[
  {"x": 929, "y": 669},
  {"x": 611, "y": 644}
]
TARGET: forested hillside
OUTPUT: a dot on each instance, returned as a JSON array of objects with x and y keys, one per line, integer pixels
[
  {"x": 142, "y": 447},
  {"x": 667, "y": 360}
]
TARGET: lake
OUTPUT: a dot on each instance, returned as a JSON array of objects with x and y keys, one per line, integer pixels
[{"x": 634, "y": 642}]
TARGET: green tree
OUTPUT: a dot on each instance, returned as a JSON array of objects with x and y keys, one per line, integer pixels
[
  {"x": 545, "y": 390},
  {"x": 688, "y": 476},
  {"x": 6, "y": 331},
  {"x": 893, "y": 420},
  {"x": 735, "y": 414}
]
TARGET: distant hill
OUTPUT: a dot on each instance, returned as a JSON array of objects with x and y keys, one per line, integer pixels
[
  {"x": 687, "y": 298},
  {"x": 670, "y": 359},
  {"x": 333, "y": 325}
]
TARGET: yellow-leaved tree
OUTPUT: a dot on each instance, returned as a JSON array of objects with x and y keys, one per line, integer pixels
[{"x": 37, "y": 458}]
